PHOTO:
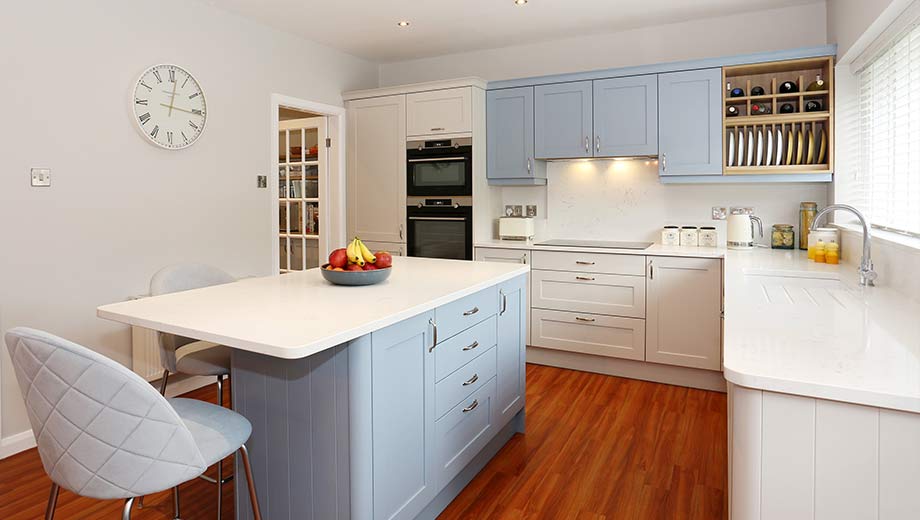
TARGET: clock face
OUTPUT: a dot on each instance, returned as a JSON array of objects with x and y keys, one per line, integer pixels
[{"x": 169, "y": 107}]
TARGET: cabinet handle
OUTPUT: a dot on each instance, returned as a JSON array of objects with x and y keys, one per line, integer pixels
[
  {"x": 471, "y": 312},
  {"x": 585, "y": 278},
  {"x": 664, "y": 162},
  {"x": 504, "y": 302},
  {"x": 651, "y": 270},
  {"x": 400, "y": 231},
  {"x": 471, "y": 380},
  {"x": 529, "y": 167},
  {"x": 587, "y": 144},
  {"x": 437, "y": 129},
  {"x": 434, "y": 328},
  {"x": 471, "y": 407},
  {"x": 582, "y": 262},
  {"x": 597, "y": 143},
  {"x": 524, "y": 259},
  {"x": 471, "y": 347},
  {"x": 589, "y": 320}
]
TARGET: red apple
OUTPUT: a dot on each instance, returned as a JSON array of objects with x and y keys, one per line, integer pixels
[
  {"x": 338, "y": 258},
  {"x": 353, "y": 267},
  {"x": 370, "y": 267},
  {"x": 384, "y": 259}
]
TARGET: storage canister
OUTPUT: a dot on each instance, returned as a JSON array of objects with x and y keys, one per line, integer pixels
[
  {"x": 807, "y": 213},
  {"x": 783, "y": 236},
  {"x": 670, "y": 236},
  {"x": 709, "y": 237},
  {"x": 689, "y": 236}
]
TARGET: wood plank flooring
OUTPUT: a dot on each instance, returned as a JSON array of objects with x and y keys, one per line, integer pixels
[{"x": 597, "y": 448}]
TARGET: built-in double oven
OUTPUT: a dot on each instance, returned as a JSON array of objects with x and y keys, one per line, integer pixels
[{"x": 439, "y": 208}]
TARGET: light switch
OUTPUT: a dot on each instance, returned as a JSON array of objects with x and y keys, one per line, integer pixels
[
  {"x": 41, "y": 177},
  {"x": 261, "y": 181},
  {"x": 531, "y": 210}
]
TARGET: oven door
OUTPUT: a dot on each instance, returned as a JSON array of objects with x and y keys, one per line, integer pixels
[
  {"x": 440, "y": 232},
  {"x": 439, "y": 174}
]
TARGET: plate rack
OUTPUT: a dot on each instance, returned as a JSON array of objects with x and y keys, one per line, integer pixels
[{"x": 783, "y": 142}]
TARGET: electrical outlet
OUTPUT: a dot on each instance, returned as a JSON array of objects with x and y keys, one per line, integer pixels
[
  {"x": 41, "y": 177},
  {"x": 509, "y": 210},
  {"x": 261, "y": 181},
  {"x": 531, "y": 210},
  {"x": 719, "y": 213},
  {"x": 518, "y": 210}
]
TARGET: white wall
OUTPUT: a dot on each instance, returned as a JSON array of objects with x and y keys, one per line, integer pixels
[
  {"x": 847, "y": 20},
  {"x": 797, "y": 26},
  {"x": 623, "y": 200},
  {"x": 119, "y": 208}
]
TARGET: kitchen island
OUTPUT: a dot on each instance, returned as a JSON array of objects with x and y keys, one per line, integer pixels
[{"x": 366, "y": 402}]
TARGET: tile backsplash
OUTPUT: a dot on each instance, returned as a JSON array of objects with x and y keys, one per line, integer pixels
[{"x": 623, "y": 200}]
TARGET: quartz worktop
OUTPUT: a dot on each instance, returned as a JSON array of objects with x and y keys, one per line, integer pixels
[
  {"x": 300, "y": 314},
  {"x": 653, "y": 250}
]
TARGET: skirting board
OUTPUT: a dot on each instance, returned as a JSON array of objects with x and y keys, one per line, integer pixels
[
  {"x": 655, "y": 372},
  {"x": 178, "y": 385}
]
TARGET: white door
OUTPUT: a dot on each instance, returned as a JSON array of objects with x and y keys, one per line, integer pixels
[
  {"x": 301, "y": 191},
  {"x": 684, "y": 312},
  {"x": 376, "y": 169}
]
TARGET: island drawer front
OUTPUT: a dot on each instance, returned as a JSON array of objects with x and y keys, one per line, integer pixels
[
  {"x": 589, "y": 262},
  {"x": 589, "y": 334},
  {"x": 464, "y": 347},
  {"x": 464, "y": 432},
  {"x": 610, "y": 294},
  {"x": 462, "y": 314},
  {"x": 466, "y": 380}
]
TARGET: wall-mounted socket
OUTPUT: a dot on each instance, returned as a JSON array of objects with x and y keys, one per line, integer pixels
[
  {"x": 261, "y": 181},
  {"x": 719, "y": 213},
  {"x": 518, "y": 210},
  {"x": 41, "y": 177},
  {"x": 531, "y": 210}
]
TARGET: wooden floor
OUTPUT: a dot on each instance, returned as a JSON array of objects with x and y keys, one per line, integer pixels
[{"x": 597, "y": 447}]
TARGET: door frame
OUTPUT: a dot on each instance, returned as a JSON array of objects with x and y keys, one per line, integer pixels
[{"x": 335, "y": 168}]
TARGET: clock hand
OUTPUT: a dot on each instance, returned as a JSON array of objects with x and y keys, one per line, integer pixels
[
  {"x": 172, "y": 98},
  {"x": 180, "y": 109}
]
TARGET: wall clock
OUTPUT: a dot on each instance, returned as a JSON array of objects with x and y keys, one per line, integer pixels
[{"x": 169, "y": 107}]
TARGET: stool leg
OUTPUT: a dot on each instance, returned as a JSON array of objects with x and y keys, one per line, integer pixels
[
  {"x": 176, "y": 502},
  {"x": 126, "y": 513},
  {"x": 220, "y": 475},
  {"x": 52, "y": 502},
  {"x": 163, "y": 381},
  {"x": 253, "y": 499}
]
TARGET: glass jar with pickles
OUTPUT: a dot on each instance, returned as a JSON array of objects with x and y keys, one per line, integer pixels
[{"x": 783, "y": 236}]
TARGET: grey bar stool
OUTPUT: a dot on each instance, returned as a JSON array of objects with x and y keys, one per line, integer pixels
[
  {"x": 103, "y": 432},
  {"x": 181, "y": 355}
]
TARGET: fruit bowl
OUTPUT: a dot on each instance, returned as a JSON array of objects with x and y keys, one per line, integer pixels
[{"x": 355, "y": 277}]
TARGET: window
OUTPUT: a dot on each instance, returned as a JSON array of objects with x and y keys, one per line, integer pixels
[{"x": 888, "y": 128}]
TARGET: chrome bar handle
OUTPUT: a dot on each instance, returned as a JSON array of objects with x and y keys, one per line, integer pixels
[
  {"x": 437, "y": 129},
  {"x": 471, "y": 347},
  {"x": 585, "y": 278},
  {"x": 582, "y": 262},
  {"x": 664, "y": 162},
  {"x": 588, "y": 320},
  {"x": 504, "y": 302},
  {"x": 471, "y": 380},
  {"x": 471, "y": 407},
  {"x": 529, "y": 167},
  {"x": 597, "y": 143},
  {"x": 471, "y": 312},
  {"x": 651, "y": 270},
  {"x": 400, "y": 231},
  {"x": 434, "y": 328},
  {"x": 524, "y": 259},
  {"x": 587, "y": 144}
]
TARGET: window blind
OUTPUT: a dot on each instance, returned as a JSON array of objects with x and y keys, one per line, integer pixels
[{"x": 888, "y": 156}]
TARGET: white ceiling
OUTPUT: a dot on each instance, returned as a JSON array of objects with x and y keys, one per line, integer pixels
[{"x": 367, "y": 28}]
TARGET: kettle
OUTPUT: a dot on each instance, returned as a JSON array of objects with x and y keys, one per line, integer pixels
[{"x": 741, "y": 228}]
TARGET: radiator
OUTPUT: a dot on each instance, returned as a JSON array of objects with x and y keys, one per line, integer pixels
[{"x": 145, "y": 354}]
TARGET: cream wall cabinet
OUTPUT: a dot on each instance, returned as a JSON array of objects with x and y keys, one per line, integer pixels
[
  {"x": 376, "y": 170},
  {"x": 684, "y": 307},
  {"x": 448, "y": 111}
]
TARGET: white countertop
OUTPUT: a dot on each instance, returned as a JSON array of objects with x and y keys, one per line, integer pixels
[
  {"x": 798, "y": 327},
  {"x": 653, "y": 250},
  {"x": 299, "y": 314}
]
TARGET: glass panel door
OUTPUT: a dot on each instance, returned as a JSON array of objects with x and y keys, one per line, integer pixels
[{"x": 301, "y": 175}]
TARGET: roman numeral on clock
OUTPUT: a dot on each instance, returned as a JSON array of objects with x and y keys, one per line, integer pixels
[
  {"x": 172, "y": 76},
  {"x": 155, "y": 131},
  {"x": 156, "y": 74},
  {"x": 144, "y": 118},
  {"x": 193, "y": 125},
  {"x": 196, "y": 111},
  {"x": 193, "y": 96},
  {"x": 169, "y": 136},
  {"x": 148, "y": 87},
  {"x": 140, "y": 102},
  {"x": 184, "y": 138}
]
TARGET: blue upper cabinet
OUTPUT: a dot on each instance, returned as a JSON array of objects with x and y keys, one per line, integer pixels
[
  {"x": 563, "y": 115},
  {"x": 510, "y": 134},
  {"x": 690, "y": 122},
  {"x": 626, "y": 116}
]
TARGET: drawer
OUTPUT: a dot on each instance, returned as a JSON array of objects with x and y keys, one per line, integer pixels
[
  {"x": 589, "y": 262},
  {"x": 464, "y": 432},
  {"x": 589, "y": 334},
  {"x": 610, "y": 294},
  {"x": 466, "y": 380},
  {"x": 462, "y": 314},
  {"x": 462, "y": 348}
]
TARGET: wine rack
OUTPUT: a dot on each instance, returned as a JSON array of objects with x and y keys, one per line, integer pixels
[{"x": 793, "y": 135}]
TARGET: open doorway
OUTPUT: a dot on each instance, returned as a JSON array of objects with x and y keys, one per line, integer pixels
[{"x": 306, "y": 183}]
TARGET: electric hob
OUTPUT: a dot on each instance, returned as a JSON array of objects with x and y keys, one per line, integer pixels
[{"x": 601, "y": 244}]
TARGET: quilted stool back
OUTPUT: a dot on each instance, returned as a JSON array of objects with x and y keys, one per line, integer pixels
[{"x": 102, "y": 431}]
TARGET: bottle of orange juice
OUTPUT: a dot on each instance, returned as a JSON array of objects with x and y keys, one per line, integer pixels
[
  {"x": 820, "y": 252},
  {"x": 832, "y": 254}
]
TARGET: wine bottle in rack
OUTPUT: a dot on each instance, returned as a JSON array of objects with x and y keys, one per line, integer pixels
[
  {"x": 761, "y": 109},
  {"x": 817, "y": 84},
  {"x": 731, "y": 111}
]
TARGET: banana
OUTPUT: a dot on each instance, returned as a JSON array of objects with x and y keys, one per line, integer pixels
[
  {"x": 366, "y": 253},
  {"x": 351, "y": 252},
  {"x": 355, "y": 252}
]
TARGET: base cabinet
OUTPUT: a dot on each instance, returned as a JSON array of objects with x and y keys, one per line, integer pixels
[
  {"x": 512, "y": 256},
  {"x": 512, "y": 328}
]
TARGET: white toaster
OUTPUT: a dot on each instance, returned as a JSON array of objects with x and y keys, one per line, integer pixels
[{"x": 515, "y": 228}]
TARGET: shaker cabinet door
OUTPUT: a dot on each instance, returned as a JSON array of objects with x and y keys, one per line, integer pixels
[
  {"x": 509, "y": 134},
  {"x": 626, "y": 116},
  {"x": 512, "y": 332},
  {"x": 690, "y": 122},
  {"x": 563, "y": 120}
]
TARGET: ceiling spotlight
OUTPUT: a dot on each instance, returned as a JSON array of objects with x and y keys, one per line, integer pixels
[
  {"x": 403, "y": 23},
  {"x": 520, "y": 2}
]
